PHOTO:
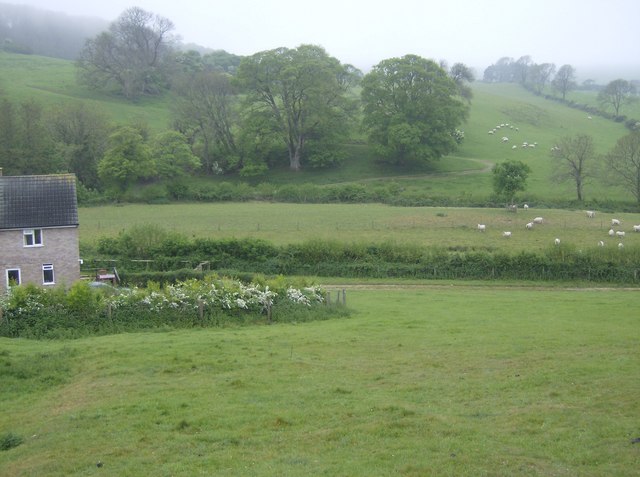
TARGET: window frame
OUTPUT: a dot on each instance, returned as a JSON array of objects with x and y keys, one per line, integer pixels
[
  {"x": 8, "y": 279},
  {"x": 48, "y": 267},
  {"x": 34, "y": 236}
]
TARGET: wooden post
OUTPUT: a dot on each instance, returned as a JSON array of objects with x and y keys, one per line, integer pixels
[
  {"x": 201, "y": 310},
  {"x": 344, "y": 297}
]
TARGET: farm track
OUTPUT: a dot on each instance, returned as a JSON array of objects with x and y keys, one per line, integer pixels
[{"x": 426, "y": 286}]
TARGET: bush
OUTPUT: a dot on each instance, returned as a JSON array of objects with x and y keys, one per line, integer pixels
[{"x": 9, "y": 440}]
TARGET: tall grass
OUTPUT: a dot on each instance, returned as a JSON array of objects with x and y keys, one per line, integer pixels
[{"x": 431, "y": 381}]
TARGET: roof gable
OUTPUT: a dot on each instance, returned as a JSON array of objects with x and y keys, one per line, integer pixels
[{"x": 38, "y": 201}]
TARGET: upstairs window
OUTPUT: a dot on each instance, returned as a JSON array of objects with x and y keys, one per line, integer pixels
[
  {"x": 47, "y": 274},
  {"x": 32, "y": 237}
]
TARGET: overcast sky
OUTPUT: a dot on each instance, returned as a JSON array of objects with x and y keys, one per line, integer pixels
[{"x": 583, "y": 33}]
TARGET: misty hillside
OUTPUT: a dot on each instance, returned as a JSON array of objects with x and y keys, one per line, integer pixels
[{"x": 25, "y": 29}]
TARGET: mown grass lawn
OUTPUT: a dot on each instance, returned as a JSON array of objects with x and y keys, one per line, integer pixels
[{"x": 436, "y": 380}]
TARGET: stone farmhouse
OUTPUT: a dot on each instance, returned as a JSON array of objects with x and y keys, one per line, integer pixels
[{"x": 38, "y": 230}]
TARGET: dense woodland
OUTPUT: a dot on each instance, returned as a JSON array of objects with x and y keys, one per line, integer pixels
[{"x": 244, "y": 116}]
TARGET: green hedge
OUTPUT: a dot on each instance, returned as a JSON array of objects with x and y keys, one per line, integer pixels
[{"x": 244, "y": 257}]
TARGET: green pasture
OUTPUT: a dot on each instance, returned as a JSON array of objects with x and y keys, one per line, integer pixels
[
  {"x": 294, "y": 223},
  {"x": 419, "y": 381},
  {"x": 52, "y": 81}
]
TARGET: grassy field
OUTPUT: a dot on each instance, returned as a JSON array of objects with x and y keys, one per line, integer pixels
[
  {"x": 52, "y": 81},
  {"x": 294, "y": 223},
  {"x": 420, "y": 381}
]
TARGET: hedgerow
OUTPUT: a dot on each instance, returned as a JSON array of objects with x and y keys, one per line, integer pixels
[
  {"x": 339, "y": 259},
  {"x": 34, "y": 312}
]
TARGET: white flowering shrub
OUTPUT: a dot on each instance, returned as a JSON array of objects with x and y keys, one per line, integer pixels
[{"x": 35, "y": 311}]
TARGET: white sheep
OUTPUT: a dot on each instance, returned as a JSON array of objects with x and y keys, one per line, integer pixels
[
  {"x": 514, "y": 147},
  {"x": 506, "y": 234},
  {"x": 615, "y": 222},
  {"x": 557, "y": 241},
  {"x": 529, "y": 225},
  {"x": 620, "y": 245},
  {"x": 525, "y": 206},
  {"x": 636, "y": 228},
  {"x": 505, "y": 139},
  {"x": 490, "y": 132},
  {"x": 600, "y": 243},
  {"x": 611, "y": 232},
  {"x": 620, "y": 233},
  {"x": 591, "y": 214},
  {"x": 538, "y": 220},
  {"x": 482, "y": 227}
]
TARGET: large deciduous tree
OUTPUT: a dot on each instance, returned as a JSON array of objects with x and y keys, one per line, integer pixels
[
  {"x": 126, "y": 160},
  {"x": 462, "y": 75},
  {"x": 509, "y": 177},
  {"x": 172, "y": 156},
  {"x": 616, "y": 94},
  {"x": 623, "y": 163},
  {"x": 411, "y": 110},
  {"x": 300, "y": 96},
  {"x": 133, "y": 55},
  {"x": 204, "y": 112},
  {"x": 565, "y": 80},
  {"x": 573, "y": 157},
  {"x": 81, "y": 135},
  {"x": 539, "y": 76}
]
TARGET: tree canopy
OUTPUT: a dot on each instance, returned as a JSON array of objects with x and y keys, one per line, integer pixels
[
  {"x": 573, "y": 156},
  {"x": 509, "y": 177},
  {"x": 623, "y": 163},
  {"x": 616, "y": 94},
  {"x": 299, "y": 96},
  {"x": 132, "y": 56},
  {"x": 411, "y": 109}
]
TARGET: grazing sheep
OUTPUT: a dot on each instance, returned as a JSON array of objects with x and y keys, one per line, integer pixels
[
  {"x": 505, "y": 139},
  {"x": 514, "y": 147},
  {"x": 529, "y": 225},
  {"x": 591, "y": 214},
  {"x": 615, "y": 222},
  {"x": 538, "y": 220},
  {"x": 636, "y": 228},
  {"x": 620, "y": 245},
  {"x": 589, "y": 117},
  {"x": 482, "y": 227},
  {"x": 620, "y": 233},
  {"x": 490, "y": 132},
  {"x": 525, "y": 206},
  {"x": 557, "y": 241},
  {"x": 506, "y": 234},
  {"x": 611, "y": 232},
  {"x": 600, "y": 243}
]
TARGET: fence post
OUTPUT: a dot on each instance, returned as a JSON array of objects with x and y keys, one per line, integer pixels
[
  {"x": 344, "y": 297},
  {"x": 201, "y": 310}
]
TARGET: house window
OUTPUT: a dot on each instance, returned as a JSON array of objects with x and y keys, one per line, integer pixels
[
  {"x": 13, "y": 277},
  {"x": 32, "y": 237},
  {"x": 47, "y": 274}
]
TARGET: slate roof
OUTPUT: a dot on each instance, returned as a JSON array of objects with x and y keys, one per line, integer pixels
[{"x": 38, "y": 201}]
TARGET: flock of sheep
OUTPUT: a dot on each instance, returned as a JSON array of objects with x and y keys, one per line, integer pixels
[
  {"x": 505, "y": 139},
  {"x": 590, "y": 214}
]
